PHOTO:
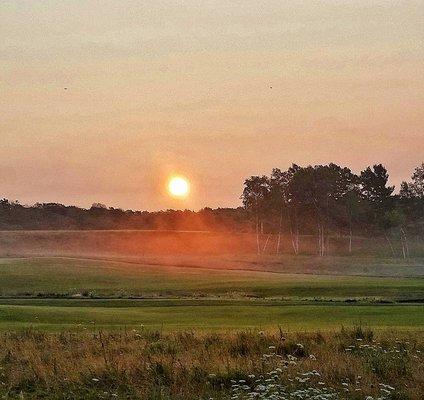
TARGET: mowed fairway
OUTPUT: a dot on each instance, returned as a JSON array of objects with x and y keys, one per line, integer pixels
[
  {"x": 203, "y": 314},
  {"x": 58, "y": 277},
  {"x": 78, "y": 294}
]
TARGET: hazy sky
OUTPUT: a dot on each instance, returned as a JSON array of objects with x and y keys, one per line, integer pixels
[{"x": 161, "y": 87}]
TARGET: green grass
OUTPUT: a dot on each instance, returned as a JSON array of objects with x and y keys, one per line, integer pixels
[
  {"x": 202, "y": 325},
  {"x": 62, "y": 276},
  {"x": 207, "y": 295},
  {"x": 203, "y": 314}
]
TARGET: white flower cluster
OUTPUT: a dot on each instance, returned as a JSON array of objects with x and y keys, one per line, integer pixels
[
  {"x": 304, "y": 386},
  {"x": 386, "y": 392},
  {"x": 376, "y": 348},
  {"x": 267, "y": 387}
]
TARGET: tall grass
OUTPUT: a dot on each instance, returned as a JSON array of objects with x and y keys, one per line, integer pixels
[{"x": 144, "y": 364}]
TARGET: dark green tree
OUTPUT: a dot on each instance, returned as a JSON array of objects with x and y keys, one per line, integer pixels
[
  {"x": 374, "y": 185},
  {"x": 256, "y": 200}
]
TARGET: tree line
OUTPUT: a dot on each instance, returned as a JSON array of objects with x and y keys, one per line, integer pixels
[
  {"x": 318, "y": 201},
  {"x": 56, "y": 216},
  {"x": 330, "y": 199}
]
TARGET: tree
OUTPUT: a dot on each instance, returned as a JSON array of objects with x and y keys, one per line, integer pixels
[
  {"x": 320, "y": 192},
  {"x": 411, "y": 198},
  {"x": 395, "y": 219},
  {"x": 406, "y": 191},
  {"x": 414, "y": 189},
  {"x": 378, "y": 196},
  {"x": 374, "y": 185},
  {"x": 98, "y": 206},
  {"x": 256, "y": 200},
  {"x": 352, "y": 204},
  {"x": 418, "y": 181},
  {"x": 376, "y": 193},
  {"x": 279, "y": 195}
]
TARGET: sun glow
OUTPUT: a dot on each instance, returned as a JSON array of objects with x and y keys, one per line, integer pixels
[{"x": 179, "y": 186}]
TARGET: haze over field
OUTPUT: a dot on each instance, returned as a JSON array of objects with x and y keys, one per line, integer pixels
[{"x": 101, "y": 101}]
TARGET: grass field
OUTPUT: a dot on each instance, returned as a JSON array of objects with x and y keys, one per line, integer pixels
[
  {"x": 182, "y": 326},
  {"x": 78, "y": 293},
  {"x": 202, "y": 314},
  {"x": 140, "y": 364},
  {"x": 76, "y": 277}
]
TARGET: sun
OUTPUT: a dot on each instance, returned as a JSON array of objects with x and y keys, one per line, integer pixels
[{"x": 179, "y": 186}]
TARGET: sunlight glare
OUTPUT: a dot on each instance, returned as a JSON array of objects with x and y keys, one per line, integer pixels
[{"x": 178, "y": 186}]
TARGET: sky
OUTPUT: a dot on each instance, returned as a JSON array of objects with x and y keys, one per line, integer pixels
[{"x": 102, "y": 101}]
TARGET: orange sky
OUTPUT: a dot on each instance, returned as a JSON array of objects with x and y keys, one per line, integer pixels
[{"x": 162, "y": 87}]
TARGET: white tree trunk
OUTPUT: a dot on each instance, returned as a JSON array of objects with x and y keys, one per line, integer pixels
[
  {"x": 404, "y": 240},
  {"x": 279, "y": 232},
  {"x": 294, "y": 237},
  {"x": 390, "y": 245},
  {"x": 266, "y": 243},
  {"x": 257, "y": 236}
]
